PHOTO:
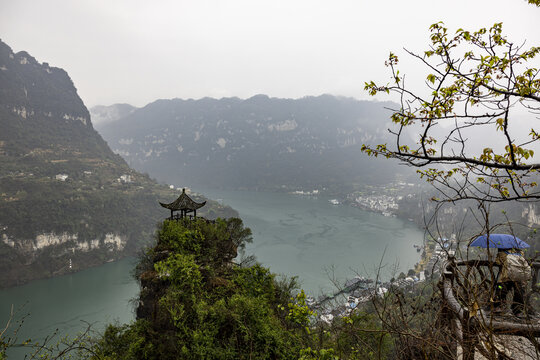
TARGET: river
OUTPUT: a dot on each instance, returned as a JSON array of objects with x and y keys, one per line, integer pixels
[
  {"x": 315, "y": 240},
  {"x": 292, "y": 234},
  {"x": 96, "y": 296}
]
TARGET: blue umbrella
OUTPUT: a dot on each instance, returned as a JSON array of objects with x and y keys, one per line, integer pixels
[{"x": 500, "y": 241}]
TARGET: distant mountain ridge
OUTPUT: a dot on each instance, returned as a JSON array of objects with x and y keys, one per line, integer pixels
[
  {"x": 66, "y": 200},
  {"x": 257, "y": 143}
]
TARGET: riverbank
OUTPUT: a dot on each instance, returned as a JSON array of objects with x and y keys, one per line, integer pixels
[{"x": 293, "y": 235}]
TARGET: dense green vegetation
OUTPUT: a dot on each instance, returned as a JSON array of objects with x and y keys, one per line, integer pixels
[{"x": 195, "y": 303}]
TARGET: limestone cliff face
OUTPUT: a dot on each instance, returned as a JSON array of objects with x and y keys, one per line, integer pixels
[
  {"x": 67, "y": 201},
  {"x": 40, "y": 109},
  {"x": 56, "y": 174},
  {"x": 109, "y": 241},
  {"x": 531, "y": 214}
]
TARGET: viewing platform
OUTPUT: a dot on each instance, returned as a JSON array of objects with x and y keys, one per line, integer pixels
[{"x": 468, "y": 289}]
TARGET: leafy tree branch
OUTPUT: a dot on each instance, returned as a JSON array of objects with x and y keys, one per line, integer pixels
[{"x": 477, "y": 81}]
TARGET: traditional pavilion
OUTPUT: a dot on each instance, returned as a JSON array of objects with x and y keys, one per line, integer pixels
[{"x": 185, "y": 205}]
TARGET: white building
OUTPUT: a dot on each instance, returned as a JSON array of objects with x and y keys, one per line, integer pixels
[{"x": 125, "y": 179}]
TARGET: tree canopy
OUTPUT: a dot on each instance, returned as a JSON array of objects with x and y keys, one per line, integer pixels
[{"x": 479, "y": 88}]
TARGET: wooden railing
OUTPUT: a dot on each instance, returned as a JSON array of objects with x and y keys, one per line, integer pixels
[
  {"x": 468, "y": 288},
  {"x": 177, "y": 217}
]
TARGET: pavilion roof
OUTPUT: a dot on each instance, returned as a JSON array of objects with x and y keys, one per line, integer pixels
[{"x": 184, "y": 202}]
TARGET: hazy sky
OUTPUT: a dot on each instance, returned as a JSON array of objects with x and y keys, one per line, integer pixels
[{"x": 137, "y": 51}]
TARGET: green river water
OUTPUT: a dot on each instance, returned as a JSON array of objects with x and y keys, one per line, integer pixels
[{"x": 293, "y": 235}]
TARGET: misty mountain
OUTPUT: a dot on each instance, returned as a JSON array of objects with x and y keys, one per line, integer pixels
[
  {"x": 257, "y": 143},
  {"x": 66, "y": 200},
  {"x": 105, "y": 114}
]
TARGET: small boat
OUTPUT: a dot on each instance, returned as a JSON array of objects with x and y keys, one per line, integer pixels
[{"x": 334, "y": 202}]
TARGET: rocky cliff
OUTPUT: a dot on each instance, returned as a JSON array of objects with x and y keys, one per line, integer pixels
[{"x": 66, "y": 200}]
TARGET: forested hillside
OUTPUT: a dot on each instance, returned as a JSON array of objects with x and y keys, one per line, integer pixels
[
  {"x": 257, "y": 143},
  {"x": 66, "y": 200}
]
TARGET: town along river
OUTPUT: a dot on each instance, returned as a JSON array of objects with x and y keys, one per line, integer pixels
[
  {"x": 311, "y": 238},
  {"x": 293, "y": 235}
]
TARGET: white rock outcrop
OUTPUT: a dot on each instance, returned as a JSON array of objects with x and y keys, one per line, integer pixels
[
  {"x": 112, "y": 242},
  {"x": 531, "y": 215},
  {"x": 51, "y": 239},
  {"x": 221, "y": 142},
  {"x": 75, "y": 118},
  {"x": 286, "y": 125},
  {"x": 8, "y": 241},
  {"x": 118, "y": 242}
]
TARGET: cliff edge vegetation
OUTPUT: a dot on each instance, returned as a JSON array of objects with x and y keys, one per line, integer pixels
[{"x": 196, "y": 303}]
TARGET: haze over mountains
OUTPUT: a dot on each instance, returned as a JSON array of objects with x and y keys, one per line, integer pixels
[
  {"x": 106, "y": 114},
  {"x": 257, "y": 143},
  {"x": 277, "y": 144},
  {"x": 66, "y": 200}
]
